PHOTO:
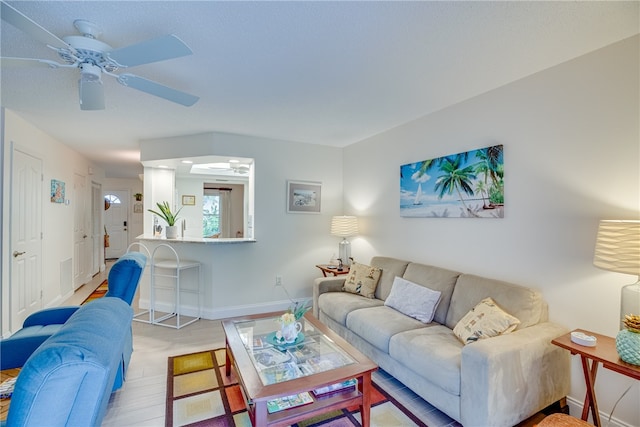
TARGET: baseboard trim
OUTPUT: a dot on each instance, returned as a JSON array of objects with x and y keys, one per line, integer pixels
[
  {"x": 223, "y": 312},
  {"x": 575, "y": 409}
]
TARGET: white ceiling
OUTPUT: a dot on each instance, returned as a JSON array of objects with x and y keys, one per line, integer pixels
[{"x": 321, "y": 72}]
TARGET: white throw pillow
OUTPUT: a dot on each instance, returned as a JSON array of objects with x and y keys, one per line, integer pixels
[{"x": 413, "y": 300}]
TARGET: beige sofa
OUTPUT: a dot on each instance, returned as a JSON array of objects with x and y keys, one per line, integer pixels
[{"x": 496, "y": 381}]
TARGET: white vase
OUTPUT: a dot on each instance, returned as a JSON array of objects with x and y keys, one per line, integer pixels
[
  {"x": 290, "y": 331},
  {"x": 171, "y": 231}
]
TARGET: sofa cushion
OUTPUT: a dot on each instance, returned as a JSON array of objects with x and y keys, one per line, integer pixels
[
  {"x": 525, "y": 304},
  {"x": 377, "y": 325},
  {"x": 337, "y": 305},
  {"x": 362, "y": 280},
  {"x": 436, "y": 278},
  {"x": 391, "y": 267},
  {"x": 413, "y": 300},
  {"x": 432, "y": 352},
  {"x": 485, "y": 320}
]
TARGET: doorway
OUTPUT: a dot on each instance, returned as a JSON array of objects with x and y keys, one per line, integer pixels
[
  {"x": 97, "y": 207},
  {"x": 26, "y": 236},
  {"x": 116, "y": 203},
  {"x": 82, "y": 246}
]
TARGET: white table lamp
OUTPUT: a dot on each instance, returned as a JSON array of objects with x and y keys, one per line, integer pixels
[
  {"x": 618, "y": 249},
  {"x": 344, "y": 226}
]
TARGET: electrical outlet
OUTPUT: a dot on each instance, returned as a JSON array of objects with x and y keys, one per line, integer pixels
[{"x": 278, "y": 281}]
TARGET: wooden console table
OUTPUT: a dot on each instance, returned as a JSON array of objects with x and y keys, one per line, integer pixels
[{"x": 604, "y": 353}]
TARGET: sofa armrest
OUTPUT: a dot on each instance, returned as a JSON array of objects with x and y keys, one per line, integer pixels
[
  {"x": 50, "y": 316},
  {"x": 506, "y": 379},
  {"x": 325, "y": 284},
  {"x": 14, "y": 352}
]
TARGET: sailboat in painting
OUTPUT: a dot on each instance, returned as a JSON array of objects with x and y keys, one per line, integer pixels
[{"x": 417, "y": 201}]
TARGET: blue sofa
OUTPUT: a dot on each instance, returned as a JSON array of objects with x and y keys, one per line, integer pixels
[
  {"x": 123, "y": 280},
  {"x": 68, "y": 380}
]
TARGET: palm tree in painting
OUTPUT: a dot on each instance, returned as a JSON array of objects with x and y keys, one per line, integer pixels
[
  {"x": 481, "y": 188},
  {"x": 455, "y": 178},
  {"x": 490, "y": 166}
]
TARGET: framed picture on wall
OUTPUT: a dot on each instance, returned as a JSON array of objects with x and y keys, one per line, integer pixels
[
  {"x": 463, "y": 185},
  {"x": 188, "y": 200},
  {"x": 304, "y": 196},
  {"x": 57, "y": 191}
]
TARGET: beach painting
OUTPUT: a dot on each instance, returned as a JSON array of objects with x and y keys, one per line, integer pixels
[
  {"x": 303, "y": 196},
  {"x": 464, "y": 185}
]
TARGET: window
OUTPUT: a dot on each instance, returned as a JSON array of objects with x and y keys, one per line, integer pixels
[
  {"x": 210, "y": 214},
  {"x": 111, "y": 198}
]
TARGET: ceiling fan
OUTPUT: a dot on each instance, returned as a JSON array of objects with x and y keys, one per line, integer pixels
[{"x": 94, "y": 58}]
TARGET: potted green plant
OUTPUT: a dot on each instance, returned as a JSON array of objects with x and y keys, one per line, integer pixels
[
  {"x": 169, "y": 217},
  {"x": 138, "y": 197}
]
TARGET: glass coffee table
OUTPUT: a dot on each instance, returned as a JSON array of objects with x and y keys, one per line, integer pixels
[{"x": 286, "y": 383}]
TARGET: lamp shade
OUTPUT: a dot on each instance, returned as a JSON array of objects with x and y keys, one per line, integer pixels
[
  {"x": 344, "y": 226},
  {"x": 618, "y": 246}
]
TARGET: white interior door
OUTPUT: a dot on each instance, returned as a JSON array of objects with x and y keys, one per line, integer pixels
[
  {"x": 97, "y": 207},
  {"x": 26, "y": 236},
  {"x": 81, "y": 238},
  {"x": 115, "y": 219}
]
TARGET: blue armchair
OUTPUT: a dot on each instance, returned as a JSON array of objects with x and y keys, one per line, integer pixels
[{"x": 123, "y": 280}]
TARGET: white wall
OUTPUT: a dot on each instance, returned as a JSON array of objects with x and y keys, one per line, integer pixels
[
  {"x": 287, "y": 245},
  {"x": 571, "y": 152},
  {"x": 61, "y": 163}
]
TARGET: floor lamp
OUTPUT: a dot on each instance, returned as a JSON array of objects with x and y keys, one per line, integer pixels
[
  {"x": 618, "y": 249},
  {"x": 344, "y": 226}
]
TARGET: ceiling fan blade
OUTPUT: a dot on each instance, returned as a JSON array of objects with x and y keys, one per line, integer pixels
[
  {"x": 27, "y": 62},
  {"x": 154, "y": 50},
  {"x": 157, "y": 89},
  {"x": 22, "y": 22},
  {"x": 91, "y": 94}
]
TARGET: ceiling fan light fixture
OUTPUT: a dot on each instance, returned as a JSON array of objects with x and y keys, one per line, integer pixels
[
  {"x": 90, "y": 72},
  {"x": 91, "y": 90}
]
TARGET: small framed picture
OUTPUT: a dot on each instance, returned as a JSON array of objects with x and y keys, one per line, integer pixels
[
  {"x": 57, "y": 191},
  {"x": 304, "y": 196},
  {"x": 137, "y": 208},
  {"x": 188, "y": 200}
]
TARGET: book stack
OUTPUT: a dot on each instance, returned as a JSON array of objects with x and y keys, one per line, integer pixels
[{"x": 343, "y": 386}]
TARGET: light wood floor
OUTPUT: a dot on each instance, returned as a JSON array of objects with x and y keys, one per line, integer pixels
[{"x": 141, "y": 400}]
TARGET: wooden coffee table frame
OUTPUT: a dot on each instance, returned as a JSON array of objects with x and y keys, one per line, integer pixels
[{"x": 256, "y": 394}]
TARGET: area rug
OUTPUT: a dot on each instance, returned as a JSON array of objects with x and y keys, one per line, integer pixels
[
  {"x": 200, "y": 394},
  {"x": 99, "y": 292}
]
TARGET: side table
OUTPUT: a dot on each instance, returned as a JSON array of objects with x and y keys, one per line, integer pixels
[
  {"x": 604, "y": 353},
  {"x": 332, "y": 269}
]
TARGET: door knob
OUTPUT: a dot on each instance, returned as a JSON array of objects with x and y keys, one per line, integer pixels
[
  {"x": 84, "y": 237},
  {"x": 17, "y": 254}
]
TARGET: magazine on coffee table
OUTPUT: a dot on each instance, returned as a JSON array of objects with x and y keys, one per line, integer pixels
[
  {"x": 279, "y": 373},
  {"x": 336, "y": 387},
  {"x": 324, "y": 362},
  {"x": 287, "y": 402},
  {"x": 270, "y": 357}
]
